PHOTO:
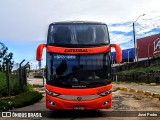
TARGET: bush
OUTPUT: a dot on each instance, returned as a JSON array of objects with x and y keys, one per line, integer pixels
[
  {"x": 13, "y": 85},
  {"x": 27, "y": 98},
  {"x": 21, "y": 100},
  {"x": 17, "y": 98}
]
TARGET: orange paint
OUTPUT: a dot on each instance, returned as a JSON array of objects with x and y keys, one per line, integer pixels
[
  {"x": 63, "y": 50},
  {"x": 40, "y": 51},
  {"x": 95, "y": 50},
  {"x": 86, "y": 91},
  {"x": 70, "y": 105},
  {"x": 85, "y": 104},
  {"x": 118, "y": 52}
]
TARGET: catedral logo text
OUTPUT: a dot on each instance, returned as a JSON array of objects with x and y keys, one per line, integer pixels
[
  {"x": 157, "y": 47},
  {"x": 75, "y": 50}
]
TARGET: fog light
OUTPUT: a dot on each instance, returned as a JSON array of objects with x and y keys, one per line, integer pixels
[
  {"x": 106, "y": 102},
  {"x": 51, "y": 103}
]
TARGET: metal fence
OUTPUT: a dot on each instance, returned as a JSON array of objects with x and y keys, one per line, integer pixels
[{"x": 21, "y": 77}]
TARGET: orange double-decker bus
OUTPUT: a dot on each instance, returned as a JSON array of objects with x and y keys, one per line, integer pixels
[{"x": 78, "y": 65}]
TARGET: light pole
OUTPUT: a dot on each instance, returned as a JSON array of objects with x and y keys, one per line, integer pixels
[
  {"x": 112, "y": 60},
  {"x": 134, "y": 37},
  {"x": 128, "y": 56},
  {"x": 148, "y": 51}
]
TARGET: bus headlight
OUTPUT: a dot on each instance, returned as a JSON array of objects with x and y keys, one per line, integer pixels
[
  {"x": 105, "y": 93},
  {"x": 52, "y": 93}
]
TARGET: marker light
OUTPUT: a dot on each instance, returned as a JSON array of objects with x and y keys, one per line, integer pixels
[
  {"x": 51, "y": 102},
  {"x": 106, "y": 102}
]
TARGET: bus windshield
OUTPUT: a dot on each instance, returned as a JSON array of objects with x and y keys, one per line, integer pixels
[
  {"x": 78, "y": 71},
  {"x": 81, "y": 34}
]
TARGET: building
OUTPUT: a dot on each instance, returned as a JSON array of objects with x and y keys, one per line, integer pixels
[
  {"x": 128, "y": 55},
  {"x": 148, "y": 47}
]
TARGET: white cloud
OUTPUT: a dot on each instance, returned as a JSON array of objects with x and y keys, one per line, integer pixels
[
  {"x": 29, "y": 19},
  {"x": 127, "y": 28},
  {"x": 122, "y": 39}
]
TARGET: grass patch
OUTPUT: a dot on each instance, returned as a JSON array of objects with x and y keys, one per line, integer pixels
[
  {"x": 142, "y": 70},
  {"x": 38, "y": 76},
  {"x": 17, "y": 97},
  {"x": 37, "y": 86},
  {"x": 29, "y": 97},
  {"x": 140, "y": 75},
  {"x": 153, "y": 84}
]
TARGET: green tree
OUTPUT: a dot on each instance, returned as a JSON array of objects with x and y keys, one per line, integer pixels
[{"x": 5, "y": 58}]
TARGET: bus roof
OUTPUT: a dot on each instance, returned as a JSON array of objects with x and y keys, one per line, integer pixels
[{"x": 77, "y": 22}]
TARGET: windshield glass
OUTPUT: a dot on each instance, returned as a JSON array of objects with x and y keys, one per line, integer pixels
[
  {"x": 78, "y": 71},
  {"x": 81, "y": 34}
]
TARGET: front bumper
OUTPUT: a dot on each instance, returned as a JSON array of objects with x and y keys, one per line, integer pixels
[{"x": 104, "y": 102}]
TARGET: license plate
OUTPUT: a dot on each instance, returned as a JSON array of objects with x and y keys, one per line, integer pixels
[{"x": 79, "y": 108}]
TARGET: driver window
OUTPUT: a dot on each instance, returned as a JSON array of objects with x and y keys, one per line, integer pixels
[{"x": 62, "y": 35}]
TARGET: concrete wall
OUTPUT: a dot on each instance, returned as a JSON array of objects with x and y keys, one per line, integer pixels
[{"x": 146, "y": 77}]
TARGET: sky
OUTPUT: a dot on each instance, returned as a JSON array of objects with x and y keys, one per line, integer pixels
[{"x": 24, "y": 23}]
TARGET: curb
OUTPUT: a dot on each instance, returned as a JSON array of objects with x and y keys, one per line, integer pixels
[
  {"x": 132, "y": 90},
  {"x": 148, "y": 93},
  {"x": 42, "y": 92},
  {"x": 140, "y": 91},
  {"x": 124, "y": 89},
  {"x": 156, "y": 95}
]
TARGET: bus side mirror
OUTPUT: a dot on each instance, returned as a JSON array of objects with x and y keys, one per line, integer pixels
[
  {"x": 40, "y": 51},
  {"x": 118, "y": 52}
]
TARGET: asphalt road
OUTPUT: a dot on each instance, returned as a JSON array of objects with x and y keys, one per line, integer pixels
[{"x": 126, "y": 105}]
